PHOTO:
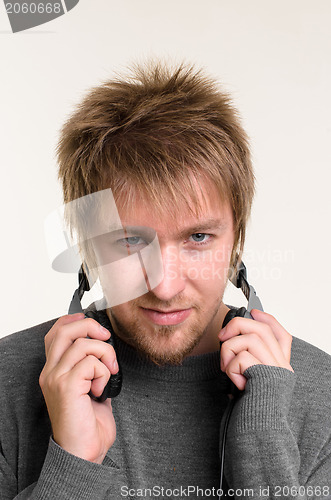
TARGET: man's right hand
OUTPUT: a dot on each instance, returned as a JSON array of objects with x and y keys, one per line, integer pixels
[{"x": 74, "y": 366}]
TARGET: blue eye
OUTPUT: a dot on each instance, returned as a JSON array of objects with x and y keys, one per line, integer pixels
[
  {"x": 131, "y": 241},
  {"x": 200, "y": 237}
]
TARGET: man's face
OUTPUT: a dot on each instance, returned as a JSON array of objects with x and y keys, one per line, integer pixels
[{"x": 184, "y": 313}]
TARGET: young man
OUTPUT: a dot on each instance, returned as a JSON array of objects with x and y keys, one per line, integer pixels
[{"x": 169, "y": 147}]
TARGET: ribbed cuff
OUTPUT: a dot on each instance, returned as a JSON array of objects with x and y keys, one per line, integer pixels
[
  {"x": 265, "y": 402},
  {"x": 67, "y": 477}
]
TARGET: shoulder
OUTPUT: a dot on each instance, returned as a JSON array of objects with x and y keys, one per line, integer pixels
[
  {"x": 22, "y": 354},
  {"x": 312, "y": 367},
  {"x": 24, "y": 424},
  {"x": 309, "y": 362}
]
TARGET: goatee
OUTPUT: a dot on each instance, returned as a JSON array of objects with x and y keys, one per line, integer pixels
[{"x": 150, "y": 346}]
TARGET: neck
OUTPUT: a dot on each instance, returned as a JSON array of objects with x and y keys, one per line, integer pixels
[{"x": 210, "y": 341}]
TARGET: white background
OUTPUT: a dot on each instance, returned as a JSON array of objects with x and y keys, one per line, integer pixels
[{"x": 273, "y": 56}]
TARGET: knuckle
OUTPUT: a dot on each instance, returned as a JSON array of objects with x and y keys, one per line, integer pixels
[
  {"x": 63, "y": 319},
  {"x": 42, "y": 378},
  {"x": 288, "y": 337},
  {"x": 288, "y": 343},
  {"x": 225, "y": 348},
  {"x": 269, "y": 317},
  {"x": 48, "y": 336},
  {"x": 61, "y": 322},
  {"x": 80, "y": 342},
  {"x": 61, "y": 331},
  {"x": 92, "y": 362},
  {"x": 58, "y": 384},
  {"x": 243, "y": 356},
  {"x": 269, "y": 330},
  {"x": 61, "y": 385},
  {"x": 91, "y": 359},
  {"x": 231, "y": 367},
  {"x": 91, "y": 323},
  {"x": 255, "y": 337},
  {"x": 236, "y": 321},
  {"x": 52, "y": 383},
  {"x": 47, "y": 385}
]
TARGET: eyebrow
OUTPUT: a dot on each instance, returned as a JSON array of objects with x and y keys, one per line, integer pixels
[{"x": 211, "y": 224}]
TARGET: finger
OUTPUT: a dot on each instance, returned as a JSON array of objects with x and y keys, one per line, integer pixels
[
  {"x": 88, "y": 374},
  {"x": 237, "y": 367},
  {"x": 83, "y": 348},
  {"x": 245, "y": 326},
  {"x": 283, "y": 337},
  {"x": 64, "y": 320},
  {"x": 67, "y": 334},
  {"x": 253, "y": 344}
]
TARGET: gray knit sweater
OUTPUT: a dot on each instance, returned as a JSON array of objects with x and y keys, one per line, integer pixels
[{"x": 168, "y": 426}]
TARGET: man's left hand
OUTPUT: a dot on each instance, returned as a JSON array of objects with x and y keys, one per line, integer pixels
[{"x": 247, "y": 342}]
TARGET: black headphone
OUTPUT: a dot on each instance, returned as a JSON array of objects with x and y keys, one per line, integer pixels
[
  {"x": 240, "y": 281},
  {"x": 114, "y": 384}
]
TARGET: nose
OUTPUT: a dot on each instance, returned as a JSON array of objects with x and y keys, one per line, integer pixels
[{"x": 173, "y": 281}]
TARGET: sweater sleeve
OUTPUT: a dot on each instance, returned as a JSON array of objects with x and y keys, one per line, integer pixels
[
  {"x": 262, "y": 454},
  {"x": 63, "y": 477}
]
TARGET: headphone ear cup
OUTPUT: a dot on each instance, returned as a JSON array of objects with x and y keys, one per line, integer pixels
[
  {"x": 229, "y": 316},
  {"x": 114, "y": 384},
  {"x": 234, "y": 313}
]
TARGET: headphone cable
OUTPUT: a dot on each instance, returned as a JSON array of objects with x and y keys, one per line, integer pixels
[{"x": 227, "y": 416}]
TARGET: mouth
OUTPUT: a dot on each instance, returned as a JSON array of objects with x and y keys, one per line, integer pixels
[{"x": 163, "y": 317}]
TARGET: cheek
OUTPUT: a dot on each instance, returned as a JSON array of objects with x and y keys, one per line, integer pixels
[
  {"x": 120, "y": 311},
  {"x": 208, "y": 267},
  {"x": 209, "y": 276}
]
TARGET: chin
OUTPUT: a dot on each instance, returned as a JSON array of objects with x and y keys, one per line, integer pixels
[
  {"x": 165, "y": 358},
  {"x": 169, "y": 350},
  {"x": 167, "y": 344}
]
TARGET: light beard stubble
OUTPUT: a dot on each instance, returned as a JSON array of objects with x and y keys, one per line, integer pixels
[{"x": 134, "y": 334}]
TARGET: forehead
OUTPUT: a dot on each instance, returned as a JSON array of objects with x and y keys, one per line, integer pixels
[{"x": 174, "y": 218}]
